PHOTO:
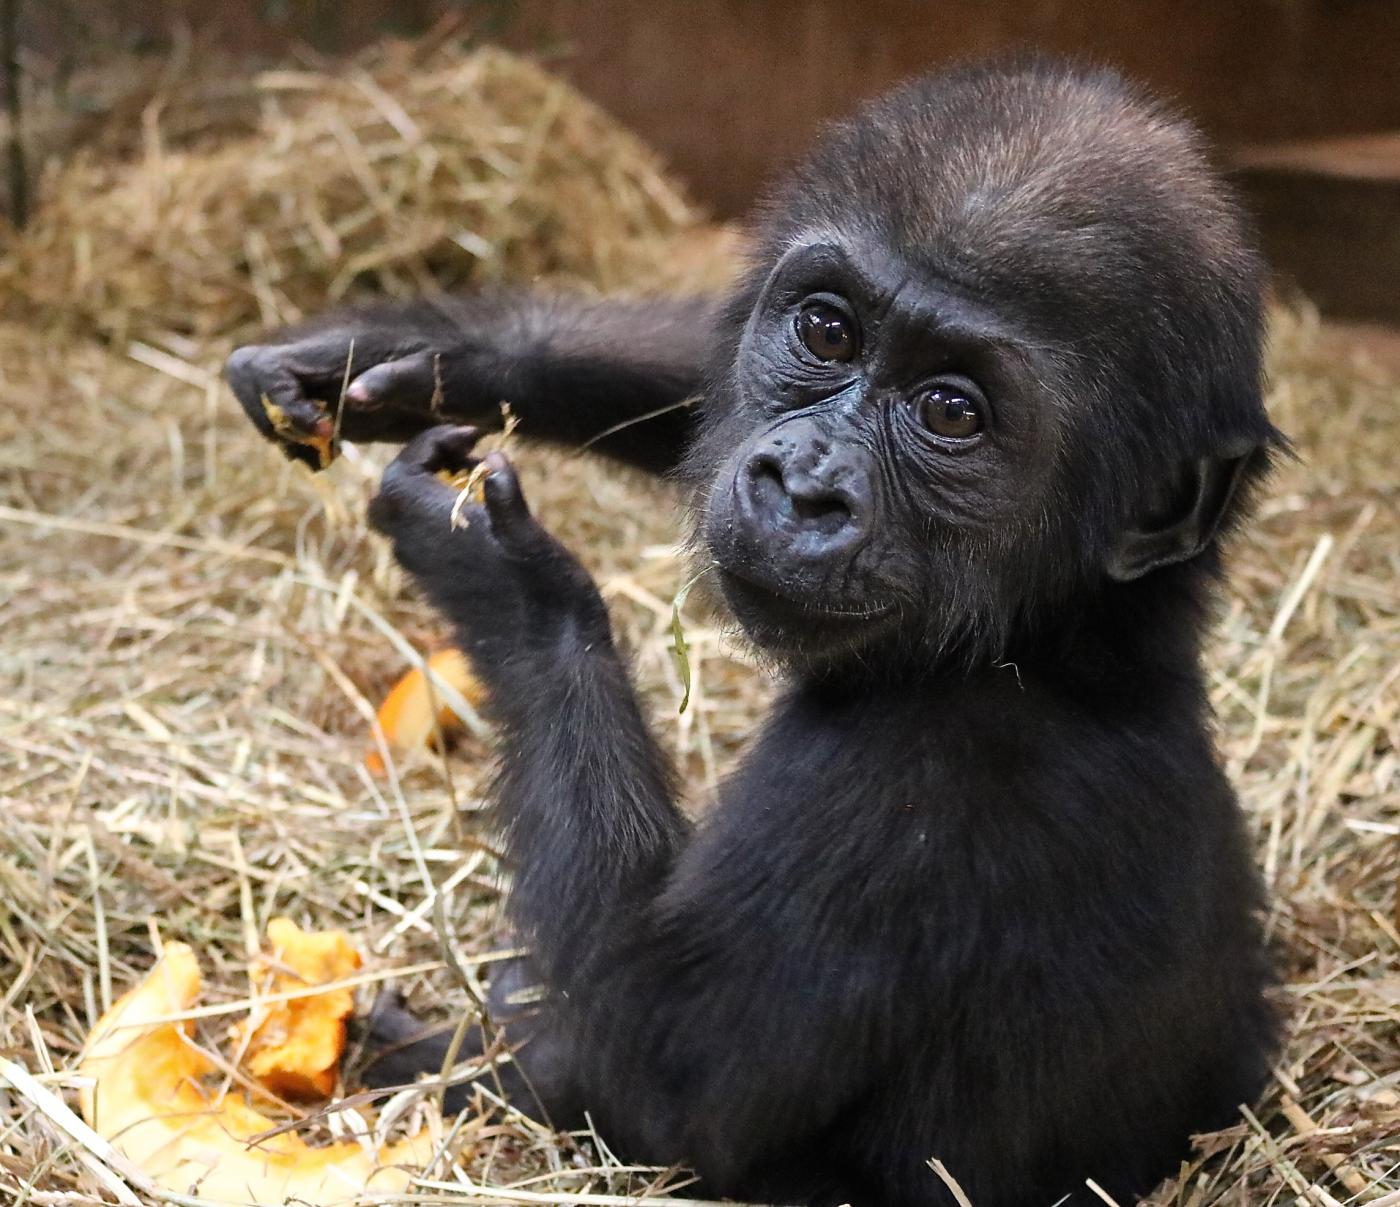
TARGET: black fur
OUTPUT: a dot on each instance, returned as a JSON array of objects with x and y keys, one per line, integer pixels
[{"x": 979, "y": 891}]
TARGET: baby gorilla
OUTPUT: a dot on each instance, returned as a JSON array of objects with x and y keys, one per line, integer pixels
[{"x": 967, "y": 434}]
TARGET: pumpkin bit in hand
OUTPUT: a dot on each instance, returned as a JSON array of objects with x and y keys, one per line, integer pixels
[{"x": 323, "y": 439}]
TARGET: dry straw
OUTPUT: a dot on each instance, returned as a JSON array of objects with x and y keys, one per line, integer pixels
[
  {"x": 393, "y": 175},
  {"x": 193, "y": 629}
]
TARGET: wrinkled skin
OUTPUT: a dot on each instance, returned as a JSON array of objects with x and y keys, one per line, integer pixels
[{"x": 960, "y": 449}]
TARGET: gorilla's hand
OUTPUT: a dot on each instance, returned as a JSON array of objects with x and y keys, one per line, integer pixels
[
  {"x": 360, "y": 378},
  {"x": 616, "y": 376},
  {"x": 511, "y": 590}
]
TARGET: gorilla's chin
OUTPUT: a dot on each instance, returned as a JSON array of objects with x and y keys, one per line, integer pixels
[{"x": 809, "y": 628}]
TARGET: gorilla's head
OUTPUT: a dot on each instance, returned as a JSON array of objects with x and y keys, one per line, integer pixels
[{"x": 997, "y": 357}]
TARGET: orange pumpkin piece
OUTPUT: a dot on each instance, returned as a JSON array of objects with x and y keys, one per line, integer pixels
[
  {"x": 294, "y": 1046},
  {"x": 145, "y": 1095},
  {"x": 412, "y": 712}
]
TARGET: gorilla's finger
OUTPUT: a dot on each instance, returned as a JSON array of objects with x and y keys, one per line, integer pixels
[
  {"x": 511, "y": 521},
  {"x": 407, "y": 501},
  {"x": 547, "y": 572},
  {"x": 410, "y": 381},
  {"x": 261, "y": 380},
  {"x": 324, "y": 361},
  {"x": 410, "y": 485},
  {"x": 445, "y": 447}
]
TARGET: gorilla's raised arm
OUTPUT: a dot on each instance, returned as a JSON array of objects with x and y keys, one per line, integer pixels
[{"x": 612, "y": 375}]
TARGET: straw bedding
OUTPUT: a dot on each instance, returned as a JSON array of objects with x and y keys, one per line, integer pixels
[{"x": 193, "y": 630}]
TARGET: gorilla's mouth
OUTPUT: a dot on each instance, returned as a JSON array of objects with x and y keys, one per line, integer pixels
[
  {"x": 786, "y": 595},
  {"x": 781, "y": 620}
]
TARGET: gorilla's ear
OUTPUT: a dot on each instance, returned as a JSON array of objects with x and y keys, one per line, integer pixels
[{"x": 1186, "y": 523}]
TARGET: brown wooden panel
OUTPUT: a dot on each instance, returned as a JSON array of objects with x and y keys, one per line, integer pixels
[
  {"x": 1336, "y": 238},
  {"x": 728, "y": 88}
]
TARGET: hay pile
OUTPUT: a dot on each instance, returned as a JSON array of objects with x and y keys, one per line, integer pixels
[
  {"x": 193, "y": 628},
  {"x": 395, "y": 176}
]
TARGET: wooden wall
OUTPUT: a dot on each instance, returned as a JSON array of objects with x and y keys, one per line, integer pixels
[
  {"x": 727, "y": 88},
  {"x": 730, "y": 88}
]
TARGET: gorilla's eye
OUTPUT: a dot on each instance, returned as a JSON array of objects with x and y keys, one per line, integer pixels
[
  {"x": 950, "y": 412},
  {"x": 826, "y": 332}
]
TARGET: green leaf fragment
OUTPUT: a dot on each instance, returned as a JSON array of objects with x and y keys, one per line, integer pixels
[{"x": 682, "y": 649}]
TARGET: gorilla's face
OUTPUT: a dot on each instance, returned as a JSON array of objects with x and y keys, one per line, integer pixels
[
  {"x": 881, "y": 441},
  {"x": 890, "y": 455}
]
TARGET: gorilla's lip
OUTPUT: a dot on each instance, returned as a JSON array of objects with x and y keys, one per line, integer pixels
[{"x": 767, "y": 597}]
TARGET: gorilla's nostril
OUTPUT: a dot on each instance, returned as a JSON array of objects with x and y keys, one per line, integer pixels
[
  {"x": 825, "y": 512},
  {"x": 766, "y": 477}
]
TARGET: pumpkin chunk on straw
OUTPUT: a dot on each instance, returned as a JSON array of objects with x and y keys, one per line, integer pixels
[
  {"x": 413, "y": 713},
  {"x": 146, "y": 1094},
  {"x": 294, "y": 1046}
]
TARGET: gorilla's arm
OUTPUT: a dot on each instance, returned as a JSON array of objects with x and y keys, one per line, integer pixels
[
  {"x": 587, "y": 797},
  {"x": 675, "y": 983},
  {"x": 612, "y": 375}
]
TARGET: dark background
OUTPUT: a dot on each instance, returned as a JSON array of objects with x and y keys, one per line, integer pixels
[{"x": 729, "y": 89}]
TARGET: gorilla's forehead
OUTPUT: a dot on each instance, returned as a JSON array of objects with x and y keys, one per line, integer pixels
[
  {"x": 1037, "y": 188},
  {"x": 1045, "y": 148}
]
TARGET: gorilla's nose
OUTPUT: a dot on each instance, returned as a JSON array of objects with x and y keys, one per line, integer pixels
[
  {"x": 805, "y": 493},
  {"x": 796, "y": 500}
]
